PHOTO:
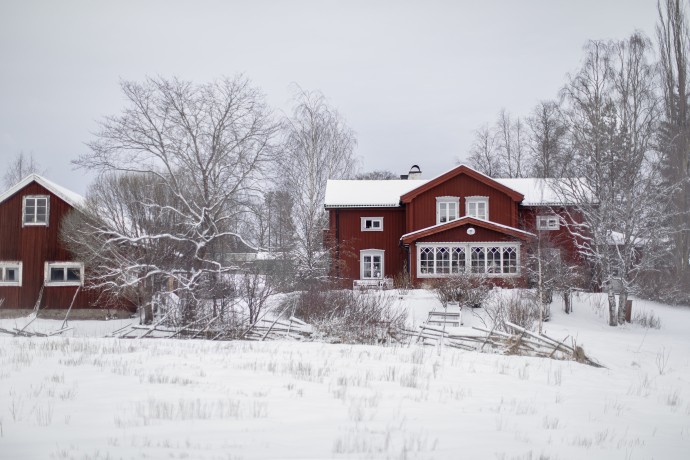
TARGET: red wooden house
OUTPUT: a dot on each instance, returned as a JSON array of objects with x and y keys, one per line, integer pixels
[
  {"x": 34, "y": 264},
  {"x": 459, "y": 221}
]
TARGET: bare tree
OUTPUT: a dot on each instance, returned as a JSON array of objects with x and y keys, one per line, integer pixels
[
  {"x": 483, "y": 153},
  {"x": 547, "y": 141},
  {"x": 207, "y": 146},
  {"x": 674, "y": 139},
  {"x": 21, "y": 166},
  {"x": 318, "y": 146},
  {"x": 613, "y": 115},
  {"x": 379, "y": 174},
  {"x": 511, "y": 145}
]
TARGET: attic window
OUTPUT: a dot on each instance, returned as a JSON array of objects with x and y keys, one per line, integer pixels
[
  {"x": 35, "y": 210},
  {"x": 477, "y": 206},
  {"x": 548, "y": 222},
  {"x": 372, "y": 224},
  {"x": 446, "y": 208}
]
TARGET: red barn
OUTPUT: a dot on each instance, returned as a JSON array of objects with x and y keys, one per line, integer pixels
[
  {"x": 35, "y": 267},
  {"x": 459, "y": 221}
]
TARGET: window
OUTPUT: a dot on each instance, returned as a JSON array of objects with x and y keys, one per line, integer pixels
[
  {"x": 35, "y": 210},
  {"x": 477, "y": 206},
  {"x": 548, "y": 222},
  {"x": 443, "y": 259},
  {"x": 372, "y": 224},
  {"x": 371, "y": 264},
  {"x": 446, "y": 209},
  {"x": 10, "y": 273},
  {"x": 64, "y": 274}
]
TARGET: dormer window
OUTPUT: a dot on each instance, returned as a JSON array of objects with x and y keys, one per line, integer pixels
[
  {"x": 372, "y": 224},
  {"x": 548, "y": 222},
  {"x": 446, "y": 209},
  {"x": 35, "y": 210},
  {"x": 477, "y": 206}
]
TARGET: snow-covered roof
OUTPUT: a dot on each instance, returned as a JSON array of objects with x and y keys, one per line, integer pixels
[
  {"x": 70, "y": 197},
  {"x": 358, "y": 193},
  {"x": 538, "y": 192}
]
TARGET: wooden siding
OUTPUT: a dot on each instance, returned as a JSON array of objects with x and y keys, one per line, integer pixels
[
  {"x": 348, "y": 240},
  {"x": 560, "y": 238},
  {"x": 33, "y": 246},
  {"x": 422, "y": 214}
]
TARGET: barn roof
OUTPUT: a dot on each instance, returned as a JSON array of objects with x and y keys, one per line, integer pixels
[{"x": 70, "y": 197}]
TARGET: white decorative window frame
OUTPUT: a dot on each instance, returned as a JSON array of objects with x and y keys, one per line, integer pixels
[
  {"x": 65, "y": 265},
  {"x": 548, "y": 222},
  {"x": 467, "y": 247},
  {"x": 34, "y": 223},
  {"x": 470, "y": 200},
  {"x": 3, "y": 268},
  {"x": 372, "y": 253},
  {"x": 373, "y": 228},
  {"x": 447, "y": 200}
]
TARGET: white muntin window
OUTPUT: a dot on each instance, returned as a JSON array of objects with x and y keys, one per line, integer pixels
[
  {"x": 446, "y": 208},
  {"x": 548, "y": 222},
  {"x": 477, "y": 206},
  {"x": 10, "y": 273},
  {"x": 436, "y": 260},
  {"x": 64, "y": 274},
  {"x": 372, "y": 224},
  {"x": 35, "y": 210},
  {"x": 371, "y": 264}
]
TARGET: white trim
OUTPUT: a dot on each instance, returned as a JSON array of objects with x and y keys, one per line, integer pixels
[
  {"x": 34, "y": 223},
  {"x": 476, "y": 200},
  {"x": 447, "y": 200},
  {"x": 548, "y": 222},
  {"x": 373, "y": 253},
  {"x": 467, "y": 247},
  {"x": 65, "y": 265},
  {"x": 373, "y": 220},
  {"x": 460, "y": 223},
  {"x": 68, "y": 196},
  {"x": 4, "y": 265}
]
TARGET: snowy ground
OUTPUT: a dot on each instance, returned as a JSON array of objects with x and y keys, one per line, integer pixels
[{"x": 93, "y": 398}]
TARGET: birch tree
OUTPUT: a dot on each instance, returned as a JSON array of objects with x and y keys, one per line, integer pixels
[
  {"x": 318, "y": 146},
  {"x": 21, "y": 166},
  {"x": 547, "y": 141},
  {"x": 208, "y": 147}
]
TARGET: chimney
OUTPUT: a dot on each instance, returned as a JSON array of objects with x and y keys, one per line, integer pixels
[{"x": 415, "y": 173}]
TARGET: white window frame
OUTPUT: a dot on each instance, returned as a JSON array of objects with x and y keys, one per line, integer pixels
[
  {"x": 372, "y": 253},
  {"x": 471, "y": 201},
  {"x": 34, "y": 223},
  {"x": 65, "y": 266},
  {"x": 376, "y": 224},
  {"x": 467, "y": 248},
  {"x": 3, "y": 273},
  {"x": 548, "y": 222},
  {"x": 448, "y": 201}
]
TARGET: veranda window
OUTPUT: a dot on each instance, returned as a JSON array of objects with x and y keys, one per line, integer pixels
[{"x": 437, "y": 259}]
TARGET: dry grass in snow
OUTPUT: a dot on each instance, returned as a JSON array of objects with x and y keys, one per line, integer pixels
[{"x": 94, "y": 398}]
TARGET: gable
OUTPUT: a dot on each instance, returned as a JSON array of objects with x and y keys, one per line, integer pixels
[{"x": 71, "y": 198}]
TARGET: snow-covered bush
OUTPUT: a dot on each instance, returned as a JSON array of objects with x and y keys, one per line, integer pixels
[{"x": 517, "y": 307}]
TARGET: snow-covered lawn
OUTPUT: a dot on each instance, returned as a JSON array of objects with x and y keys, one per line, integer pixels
[{"x": 99, "y": 398}]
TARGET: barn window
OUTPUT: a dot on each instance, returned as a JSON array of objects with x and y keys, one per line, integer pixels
[
  {"x": 35, "y": 210},
  {"x": 11, "y": 273},
  {"x": 372, "y": 224},
  {"x": 446, "y": 208},
  {"x": 548, "y": 222},
  {"x": 477, "y": 206},
  {"x": 64, "y": 273}
]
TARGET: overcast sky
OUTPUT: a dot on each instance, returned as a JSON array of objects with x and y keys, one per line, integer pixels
[{"x": 413, "y": 79}]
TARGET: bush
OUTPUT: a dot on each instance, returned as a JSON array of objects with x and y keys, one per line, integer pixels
[
  {"x": 343, "y": 316},
  {"x": 467, "y": 289},
  {"x": 518, "y": 308},
  {"x": 647, "y": 319}
]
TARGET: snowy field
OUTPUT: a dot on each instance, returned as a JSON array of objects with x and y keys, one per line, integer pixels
[{"x": 83, "y": 397}]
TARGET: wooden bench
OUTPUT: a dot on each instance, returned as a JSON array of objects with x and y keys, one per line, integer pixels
[
  {"x": 385, "y": 283},
  {"x": 439, "y": 318}
]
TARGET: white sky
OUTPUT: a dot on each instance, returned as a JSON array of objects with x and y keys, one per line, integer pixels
[{"x": 413, "y": 79}]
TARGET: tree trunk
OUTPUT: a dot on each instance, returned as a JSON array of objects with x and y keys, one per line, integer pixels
[
  {"x": 613, "y": 320},
  {"x": 566, "y": 301},
  {"x": 622, "y": 302}
]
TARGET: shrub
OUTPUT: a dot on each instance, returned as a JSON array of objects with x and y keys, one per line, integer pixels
[{"x": 518, "y": 308}]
